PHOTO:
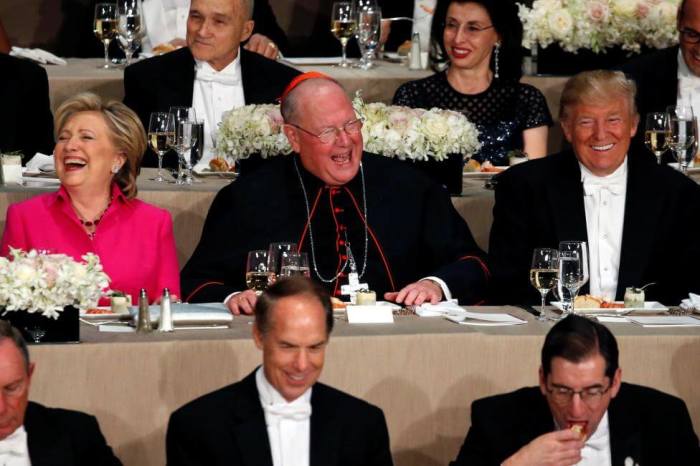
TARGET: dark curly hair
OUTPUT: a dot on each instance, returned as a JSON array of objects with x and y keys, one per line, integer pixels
[{"x": 505, "y": 20}]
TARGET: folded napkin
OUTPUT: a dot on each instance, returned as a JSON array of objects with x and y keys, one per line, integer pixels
[
  {"x": 37, "y": 55},
  {"x": 192, "y": 314},
  {"x": 441, "y": 309},
  {"x": 39, "y": 160},
  {"x": 693, "y": 302}
]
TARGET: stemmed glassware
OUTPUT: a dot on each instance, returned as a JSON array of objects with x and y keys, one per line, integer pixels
[
  {"x": 369, "y": 19},
  {"x": 257, "y": 274},
  {"x": 276, "y": 252},
  {"x": 543, "y": 273},
  {"x": 183, "y": 135},
  {"x": 573, "y": 270},
  {"x": 681, "y": 134},
  {"x": 105, "y": 27},
  {"x": 160, "y": 129},
  {"x": 343, "y": 24},
  {"x": 655, "y": 134},
  {"x": 295, "y": 263},
  {"x": 129, "y": 26}
]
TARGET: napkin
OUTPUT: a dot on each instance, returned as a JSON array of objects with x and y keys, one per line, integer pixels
[
  {"x": 39, "y": 160},
  {"x": 441, "y": 309},
  {"x": 693, "y": 302},
  {"x": 37, "y": 55}
]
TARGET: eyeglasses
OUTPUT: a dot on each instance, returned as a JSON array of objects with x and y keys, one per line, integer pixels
[
  {"x": 330, "y": 135},
  {"x": 470, "y": 28},
  {"x": 689, "y": 36},
  {"x": 562, "y": 396}
]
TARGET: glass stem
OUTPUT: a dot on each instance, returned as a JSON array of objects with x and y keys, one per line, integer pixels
[
  {"x": 658, "y": 157},
  {"x": 106, "y": 45},
  {"x": 543, "y": 294},
  {"x": 160, "y": 165},
  {"x": 344, "y": 43}
]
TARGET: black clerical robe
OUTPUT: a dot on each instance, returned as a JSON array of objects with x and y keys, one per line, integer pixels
[{"x": 412, "y": 230}]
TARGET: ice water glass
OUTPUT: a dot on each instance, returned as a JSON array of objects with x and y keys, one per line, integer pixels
[
  {"x": 276, "y": 253},
  {"x": 570, "y": 277},
  {"x": 295, "y": 264},
  {"x": 184, "y": 136},
  {"x": 681, "y": 134}
]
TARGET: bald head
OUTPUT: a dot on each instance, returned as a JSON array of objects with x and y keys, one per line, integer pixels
[{"x": 308, "y": 93}]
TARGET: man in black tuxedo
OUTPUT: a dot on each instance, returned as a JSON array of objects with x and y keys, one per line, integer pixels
[
  {"x": 629, "y": 209},
  {"x": 212, "y": 74},
  {"x": 581, "y": 413},
  {"x": 407, "y": 241},
  {"x": 280, "y": 413},
  {"x": 25, "y": 119},
  {"x": 30, "y": 432}
]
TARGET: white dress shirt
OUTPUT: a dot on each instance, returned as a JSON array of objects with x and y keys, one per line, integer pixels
[
  {"x": 214, "y": 93},
  {"x": 14, "y": 450},
  {"x": 288, "y": 424},
  {"x": 604, "y": 201},
  {"x": 596, "y": 451},
  {"x": 423, "y": 12},
  {"x": 165, "y": 20}
]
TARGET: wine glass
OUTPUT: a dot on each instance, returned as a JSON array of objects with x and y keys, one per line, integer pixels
[
  {"x": 368, "y": 29},
  {"x": 570, "y": 277},
  {"x": 183, "y": 137},
  {"x": 295, "y": 263},
  {"x": 543, "y": 273},
  {"x": 655, "y": 134},
  {"x": 276, "y": 252},
  {"x": 581, "y": 248},
  {"x": 105, "y": 27},
  {"x": 129, "y": 26},
  {"x": 343, "y": 24},
  {"x": 681, "y": 134},
  {"x": 257, "y": 276},
  {"x": 160, "y": 130}
]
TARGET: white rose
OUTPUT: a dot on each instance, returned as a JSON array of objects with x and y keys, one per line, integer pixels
[
  {"x": 436, "y": 127},
  {"x": 560, "y": 24},
  {"x": 625, "y": 8}
]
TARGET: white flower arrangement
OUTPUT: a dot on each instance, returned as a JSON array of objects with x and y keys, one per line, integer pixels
[
  {"x": 389, "y": 130},
  {"x": 599, "y": 24},
  {"x": 39, "y": 282}
]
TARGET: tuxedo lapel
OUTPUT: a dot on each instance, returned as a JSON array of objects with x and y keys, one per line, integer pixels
[
  {"x": 325, "y": 431},
  {"x": 249, "y": 427},
  {"x": 625, "y": 437},
  {"x": 178, "y": 86},
  {"x": 47, "y": 447}
]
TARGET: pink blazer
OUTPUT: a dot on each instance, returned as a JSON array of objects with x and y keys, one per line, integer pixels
[{"x": 134, "y": 240}]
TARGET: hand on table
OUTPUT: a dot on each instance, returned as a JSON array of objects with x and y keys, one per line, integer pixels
[
  {"x": 262, "y": 45},
  {"x": 417, "y": 293},
  {"x": 242, "y": 303},
  {"x": 559, "y": 448}
]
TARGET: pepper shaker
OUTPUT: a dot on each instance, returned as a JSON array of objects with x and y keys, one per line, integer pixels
[
  {"x": 166, "y": 317},
  {"x": 143, "y": 324},
  {"x": 415, "y": 60}
]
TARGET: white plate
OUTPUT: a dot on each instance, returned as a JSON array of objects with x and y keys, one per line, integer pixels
[
  {"x": 308, "y": 61},
  {"x": 208, "y": 172},
  {"x": 481, "y": 174},
  {"x": 651, "y": 307},
  {"x": 110, "y": 316},
  {"x": 690, "y": 169}
]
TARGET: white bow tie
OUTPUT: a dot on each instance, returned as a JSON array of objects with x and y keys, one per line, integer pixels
[
  {"x": 208, "y": 75},
  {"x": 591, "y": 188},
  {"x": 14, "y": 445},
  {"x": 295, "y": 412}
]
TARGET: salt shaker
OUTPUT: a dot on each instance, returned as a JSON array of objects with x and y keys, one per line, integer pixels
[
  {"x": 415, "y": 62},
  {"x": 143, "y": 324},
  {"x": 166, "y": 316}
]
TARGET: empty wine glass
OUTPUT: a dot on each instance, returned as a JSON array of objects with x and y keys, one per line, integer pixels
[
  {"x": 257, "y": 275},
  {"x": 343, "y": 24},
  {"x": 543, "y": 273},
  {"x": 581, "y": 248},
  {"x": 295, "y": 263},
  {"x": 160, "y": 130},
  {"x": 183, "y": 137},
  {"x": 129, "y": 26},
  {"x": 105, "y": 27},
  {"x": 681, "y": 134},
  {"x": 655, "y": 134}
]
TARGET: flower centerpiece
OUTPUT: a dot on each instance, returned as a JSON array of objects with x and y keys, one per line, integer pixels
[
  {"x": 37, "y": 289},
  {"x": 599, "y": 24}
]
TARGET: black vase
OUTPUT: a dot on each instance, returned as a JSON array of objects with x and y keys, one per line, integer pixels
[
  {"x": 36, "y": 328},
  {"x": 447, "y": 172}
]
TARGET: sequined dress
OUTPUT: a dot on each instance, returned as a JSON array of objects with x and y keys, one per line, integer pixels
[{"x": 501, "y": 113}]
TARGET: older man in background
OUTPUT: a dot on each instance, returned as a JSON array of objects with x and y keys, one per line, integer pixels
[
  {"x": 351, "y": 212},
  {"x": 631, "y": 211}
]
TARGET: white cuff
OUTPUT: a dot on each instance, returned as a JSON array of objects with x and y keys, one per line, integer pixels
[
  {"x": 230, "y": 296},
  {"x": 446, "y": 295}
]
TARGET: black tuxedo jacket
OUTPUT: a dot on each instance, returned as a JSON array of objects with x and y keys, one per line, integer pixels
[
  {"x": 59, "y": 437},
  {"x": 540, "y": 203},
  {"x": 227, "y": 428},
  {"x": 156, "y": 84},
  {"x": 651, "y": 427},
  {"x": 25, "y": 119},
  {"x": 411, "y": 219}
]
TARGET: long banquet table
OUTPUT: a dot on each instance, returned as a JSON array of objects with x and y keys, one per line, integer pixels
[{"x": 424, "y": 374}]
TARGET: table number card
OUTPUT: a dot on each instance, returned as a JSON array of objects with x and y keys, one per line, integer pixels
[{"x": 10, "y": 169}]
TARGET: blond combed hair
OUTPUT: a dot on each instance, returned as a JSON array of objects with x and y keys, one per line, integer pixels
[
  {"x": 125, "y": 128},
  {"x": 597, "y": 87}
]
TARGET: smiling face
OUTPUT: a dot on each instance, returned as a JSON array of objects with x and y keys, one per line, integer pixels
[
  {"x": 14, "y": 387},
  {"x": 691, "y": 20},
  {"x": 586, "y": 374},
  {"x": 85, "y": 153},
  {"x": 600, "y": 134},
  {"x": 468, "y": 44},
  {"x": 322, "y": 105},
  {"x": 294, "y": 345},
  {"x": 215, "y": 29}
]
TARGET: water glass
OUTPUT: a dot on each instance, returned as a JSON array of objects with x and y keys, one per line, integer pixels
[
  {"x": 570, "y": 277},
  {"x": 129, "y": 26},
  {"x": 368, "y": 31},
  {"x": 184, "y": 136},
  {"x": 681, "y": 134},
  {"x": 276, "y": 253},
  {"x": 295, "y": 264}
]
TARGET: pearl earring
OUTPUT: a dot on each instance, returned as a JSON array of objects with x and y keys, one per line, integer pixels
[{"x": 115, "y": 169}]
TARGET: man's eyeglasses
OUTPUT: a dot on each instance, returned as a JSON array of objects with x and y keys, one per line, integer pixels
[
  {"x": 562, "y": 396},
  {"x": 330, "y": 135},
  {"x": 470, "y": 28},
  {"x": 689, "y": 36}
]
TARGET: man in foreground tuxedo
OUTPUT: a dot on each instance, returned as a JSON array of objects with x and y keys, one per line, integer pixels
[
  {"x": 280, "y": 414},
  {"x": 213, "y": 74},
  {"x": 380, "y": 218},
  {"x": 581, "y": 413},
  {"x": 31, "y": 434},
  {"x": 630, "y": 210},
  {"x": 25, "y": 119}
]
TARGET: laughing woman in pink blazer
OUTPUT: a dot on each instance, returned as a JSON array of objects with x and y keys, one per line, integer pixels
[{"x": 97, "y": 156}]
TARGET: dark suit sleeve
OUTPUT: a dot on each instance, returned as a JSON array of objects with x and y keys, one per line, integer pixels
[
  {"x": 266, "y": 24},
  {"x": 476, "y": 449},
  {"x": 181, "y": 447},
  {"x": 135, "y": 97},
  {"x": 91, "y": 444},
  {"x": 378, "y": 452},
  {"x": 686, "y": 449}
]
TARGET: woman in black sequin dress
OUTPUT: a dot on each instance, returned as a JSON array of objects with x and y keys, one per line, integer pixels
[{"x": 480, "y": 39}]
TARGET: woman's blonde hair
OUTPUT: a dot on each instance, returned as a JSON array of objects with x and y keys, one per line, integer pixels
[
  {"x": 125, "y": 129},
  {"x": 597, "y": 87}
]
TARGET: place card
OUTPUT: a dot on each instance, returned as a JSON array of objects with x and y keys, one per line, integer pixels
[
  {"x": 10, "y": 169},
  {"x": 666, "y": 321},
  {"x": 370, "y": 314}
]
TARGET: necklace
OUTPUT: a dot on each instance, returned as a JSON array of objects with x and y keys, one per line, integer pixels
[
  {"x": 347, "y": 247},
  {"x": 88, "y": 224}
]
